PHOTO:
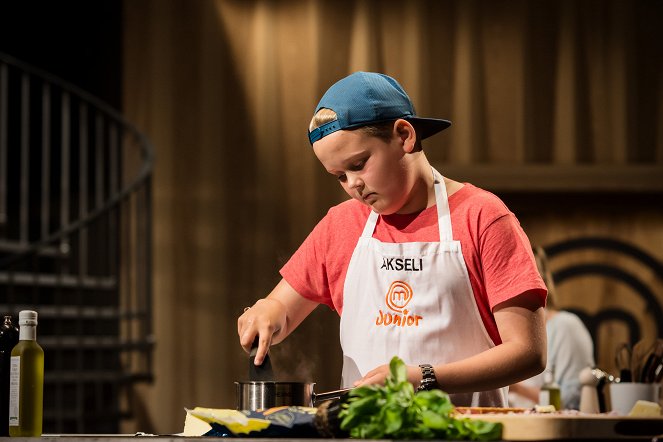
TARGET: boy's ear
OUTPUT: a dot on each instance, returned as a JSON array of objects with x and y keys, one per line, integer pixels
[{"x": 406, "y": 133}]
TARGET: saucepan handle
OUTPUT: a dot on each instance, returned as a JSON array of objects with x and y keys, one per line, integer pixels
[{"x": 336, "y": 394}]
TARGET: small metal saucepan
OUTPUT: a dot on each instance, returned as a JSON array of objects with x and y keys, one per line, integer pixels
[{"x": 260, "y": 395}]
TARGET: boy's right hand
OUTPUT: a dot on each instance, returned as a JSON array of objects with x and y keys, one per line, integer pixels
[
  {"x": 272, "y": 319},
  {"x": 265, "y": 319}
]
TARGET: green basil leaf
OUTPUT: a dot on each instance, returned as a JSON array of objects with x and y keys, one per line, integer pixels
[
  {"x": 434, "y": 420},
  {"x": 396, "y": 411}
]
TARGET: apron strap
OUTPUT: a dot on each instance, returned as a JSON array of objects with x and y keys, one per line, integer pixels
[
  {"x": 443, "y": 214},
  {"x": 369, "y": 228}
]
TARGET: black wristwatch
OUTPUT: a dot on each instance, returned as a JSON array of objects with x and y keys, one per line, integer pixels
[{"x": 428, "y": 380}]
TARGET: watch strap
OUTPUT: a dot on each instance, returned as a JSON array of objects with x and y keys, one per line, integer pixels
[{"x": 428, "y": 380}]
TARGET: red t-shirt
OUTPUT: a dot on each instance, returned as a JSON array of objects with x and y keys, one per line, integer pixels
[{"x": 497, "y": 253}]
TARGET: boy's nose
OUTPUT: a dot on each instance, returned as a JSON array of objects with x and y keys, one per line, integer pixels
[{"x": 354, "y": 181}]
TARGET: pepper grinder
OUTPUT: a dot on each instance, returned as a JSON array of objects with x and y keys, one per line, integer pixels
[{"x": 589, "y": 398}]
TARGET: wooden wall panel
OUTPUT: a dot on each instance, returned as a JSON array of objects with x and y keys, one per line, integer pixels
[{"x": 547, "y": 98}]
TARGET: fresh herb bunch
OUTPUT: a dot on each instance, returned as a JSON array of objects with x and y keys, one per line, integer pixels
[{"x": 395, "y": 411}]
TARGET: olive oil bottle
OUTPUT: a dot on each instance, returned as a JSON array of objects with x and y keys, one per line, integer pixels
[
  {"x": 550, "y": 393},
  {"x": 26, "y": 389}
]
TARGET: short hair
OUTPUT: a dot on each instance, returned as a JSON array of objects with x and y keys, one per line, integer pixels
[
  {"x": 541, "y": 259},
  {"x": 382, "y": 130}
]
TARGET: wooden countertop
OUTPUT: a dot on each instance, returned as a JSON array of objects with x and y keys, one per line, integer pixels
[
  {"x": 517, "y": 427},
  {"x": 133, "y": 438},
  {"x": 543, "y": 427}
]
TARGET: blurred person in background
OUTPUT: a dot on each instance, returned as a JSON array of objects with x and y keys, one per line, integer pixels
[{"x": 570, "y": 349}]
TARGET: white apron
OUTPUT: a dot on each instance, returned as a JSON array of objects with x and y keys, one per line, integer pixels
[{"x": 412, "y": 300}]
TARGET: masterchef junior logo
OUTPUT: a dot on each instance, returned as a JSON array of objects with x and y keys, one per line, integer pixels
[{"x": 397, "y": 298}]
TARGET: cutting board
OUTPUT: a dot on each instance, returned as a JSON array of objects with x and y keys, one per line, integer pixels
[{"x": 552, "y": 426}]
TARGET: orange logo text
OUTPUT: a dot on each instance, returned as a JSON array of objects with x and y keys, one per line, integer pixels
[{"x": 398, "y": 296}]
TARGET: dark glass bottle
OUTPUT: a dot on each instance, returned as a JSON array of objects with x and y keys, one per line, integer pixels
[{"x": 8, "y": 339}]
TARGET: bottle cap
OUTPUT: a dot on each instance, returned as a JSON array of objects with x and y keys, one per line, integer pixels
[
  {"x": 548, "y": 377},
  {"x": 27, "y": 317}
]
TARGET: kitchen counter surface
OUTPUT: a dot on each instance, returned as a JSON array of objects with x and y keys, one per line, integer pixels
[
  {"x": 134, "y": 438},
  {"x": 517, "y": 427}
]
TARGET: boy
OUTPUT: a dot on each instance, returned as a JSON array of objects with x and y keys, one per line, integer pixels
[{"x": 417, "y": 265}]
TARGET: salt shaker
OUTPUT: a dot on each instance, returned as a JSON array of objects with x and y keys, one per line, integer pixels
[{"x": 589, "y": 398}]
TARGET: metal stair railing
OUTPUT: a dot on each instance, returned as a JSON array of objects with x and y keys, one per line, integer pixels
[{"x": 75, "y": 244}]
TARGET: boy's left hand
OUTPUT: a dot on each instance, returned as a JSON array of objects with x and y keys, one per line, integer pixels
[{"x": 379, "y": 375}]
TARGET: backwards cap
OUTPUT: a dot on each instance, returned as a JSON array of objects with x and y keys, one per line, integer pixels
[{"x": 365, "y": 98}]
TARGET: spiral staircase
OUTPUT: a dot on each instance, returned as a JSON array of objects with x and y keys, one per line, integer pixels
[{"x": 75, "y": 244}]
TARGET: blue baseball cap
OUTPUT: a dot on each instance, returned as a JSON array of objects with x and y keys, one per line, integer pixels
[{"x": 364, "y": 98}]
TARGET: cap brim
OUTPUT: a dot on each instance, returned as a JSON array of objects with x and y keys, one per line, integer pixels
[{"x": 427, "y": 127}]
